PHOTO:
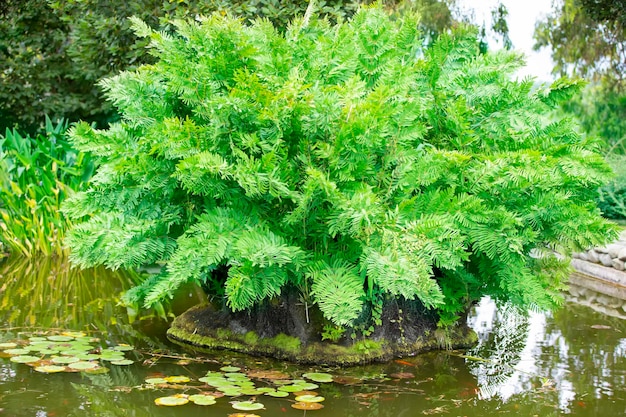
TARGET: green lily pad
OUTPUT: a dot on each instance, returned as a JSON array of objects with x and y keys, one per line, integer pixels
[
  {"x": 50, "y": 369},
  {"x": 290, "y": 388},
  {"x": 278, "y": 394},
  {"x": 201, "y": 399},
  {"x": 24, "y": 359},
  {"x": 266, "y": 389},
  {"x": 8, "y": 345},
  {"x": 171, "y": 401},
  {"x": 319, "y": 377},
  {"x": 155, "y": 381},
  {"x": 96, "y": 371},
  {"x": 60, "y": 338},
  {"x": 17, "y": 351},
  {"x": 308, "y": 386},
  {"x": 48, "y": 351},
  {"x": 122, "y": 362},
  {"x": 75, "y": 335},
  {"x": 251, "y": 391},
  {"x": 88, "y": 356},
  {"x": 230, "y": 369},
  {"x": 310, "y": 398},
  {"x": 247, "y": 406},
  {"x": 214, "y": 375},
  {"x": 112, "y": 358},
  {"x": 36, "y": 339},
  {"x": 231, "y": 392},
  {"x": 64, "y": 359},
  {"x": 83, "y": 366}
]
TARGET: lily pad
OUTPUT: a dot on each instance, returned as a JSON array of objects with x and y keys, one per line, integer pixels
[
  {"x": 243, "y": 415},
  {"x": 83, "y": 366},
  {"x": 171, "y": 401},
  {"x": 319, "y": 376},
  {"x": 122, "y": 362},
  {"x": 17, "y": 351},
  {"x": 278, "y": 394},
  {"x": 230, "y": 369},
  {"x": 24, "y": 359},
  {"x": 60, "y": 338},
  {"x": 74, "y": 335},
  {"x": 200, "y": 399},
  {"x": 308, "y": 386},
  {"x": 307, "y": 406},
  {"x": 271, "y": 375},
  {"x": 155, "y": 381},
  {"x": 247, "y": 405},
  {"x": 8, "y": 345},
  {"x": 309, "y": 398},
  {"x": 50, "y": 369},
  {"x": 64, "y": 359},
  {"x": 177, "y": 379},
  {"x": 291, "y": 388}
]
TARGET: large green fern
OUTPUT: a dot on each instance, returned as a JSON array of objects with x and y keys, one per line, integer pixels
[{"x": 340, "y": 161}]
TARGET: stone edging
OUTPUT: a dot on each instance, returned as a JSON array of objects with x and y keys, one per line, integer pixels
[{"x": 611, "y": 256}]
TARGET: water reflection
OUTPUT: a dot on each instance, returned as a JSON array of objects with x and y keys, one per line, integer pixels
[{"x": 572, "y": 361}]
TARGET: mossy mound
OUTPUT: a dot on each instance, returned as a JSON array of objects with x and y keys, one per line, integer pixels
[{"x": 285, "y": 330}]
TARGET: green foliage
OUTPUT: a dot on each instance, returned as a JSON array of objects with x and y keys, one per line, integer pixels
[
  {"x": 36, "y": 76},
  {"x": 343, "y": 161},
  {"x": 612, "y": 198},
  {"x": 586, "y": 38},
  {"x": 36, "y": 175}
]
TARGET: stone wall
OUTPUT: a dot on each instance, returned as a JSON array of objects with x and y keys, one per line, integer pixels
[{"x": 612, "y": 255}]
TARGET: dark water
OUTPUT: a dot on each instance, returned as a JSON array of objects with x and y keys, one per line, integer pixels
[{"x": 569, "y": 362}]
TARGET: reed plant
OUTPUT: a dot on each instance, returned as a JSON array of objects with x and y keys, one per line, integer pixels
[{"x": 36, "y": 175}]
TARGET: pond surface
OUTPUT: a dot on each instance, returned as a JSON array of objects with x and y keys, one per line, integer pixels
[{"x": 569, "y": 362}]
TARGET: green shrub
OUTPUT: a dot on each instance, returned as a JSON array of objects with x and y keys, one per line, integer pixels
[
  {"x": 612, "y": 196},
  {"x": 36, "y": 175},
  {"x": 341, "y": 162}
]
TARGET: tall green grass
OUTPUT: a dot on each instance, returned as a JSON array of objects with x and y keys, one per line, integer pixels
[{"x": 36, "y": 175}]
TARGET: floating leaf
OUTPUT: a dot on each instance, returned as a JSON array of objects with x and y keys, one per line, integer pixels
[
  {"x": 247, "y": 405},
  {"x": 251, "y": 391},
  {"x": 96, "y": 371},
  {"x": 278, "y": 394},
  {"x": 266, "y": 389},
  {"x": 60, "y": 338},
  {"x": 74, "y": 334},
  {"x": 88, "y": 356},
  {"x": 122, "y": 362},
  {"x": 24, "y": 359},
  {"x": 64, "y": 359},
  {"x": 171, "y": 401},
  {"x": 214, "y": 375},
  {"x": 35, "y": 339},
  {"x": 18, "y": 351},
  {"x": 83, "y": 366},
  {"x": 155, "y": 381},
  {"x": 307, "y": 406},
  {"x": 290, "y": 388},
  {"x": 297, "y": 394},
  {"x": 310, "y": 398},
  {"x": 306, "y": 386},
  {"x": 8, "y": 345},
  {"x": 201, "y": 399},
  {"x": 177, "y": 379},
  {"x": 230, "y": 369},
  {"x": 50, "y": 369},
  {"x": 319, "y": 377}
]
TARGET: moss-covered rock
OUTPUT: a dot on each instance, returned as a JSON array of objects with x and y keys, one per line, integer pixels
[{"x": 281, "y": 330}]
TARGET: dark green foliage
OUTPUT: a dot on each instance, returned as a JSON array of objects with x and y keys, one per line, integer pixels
[
  {"x": 612, "y": 198},
  {"x": 36, "y": 175},
  {"x": 36, "y": 76},
  {"x": 345, "y": 162}
]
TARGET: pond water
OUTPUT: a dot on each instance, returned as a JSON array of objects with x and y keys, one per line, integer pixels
[{"x": 568, "y": 362}]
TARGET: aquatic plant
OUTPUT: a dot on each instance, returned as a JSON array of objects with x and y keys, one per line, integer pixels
[
  {"x": 346, "y": 163},
  {"x": 36, "y": 175}
]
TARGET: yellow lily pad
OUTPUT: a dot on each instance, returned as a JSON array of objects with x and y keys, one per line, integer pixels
[{"x": 171, "y": 401}]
